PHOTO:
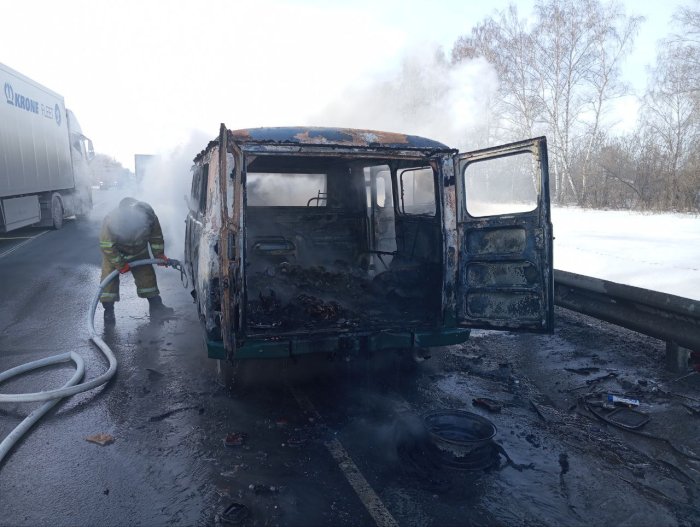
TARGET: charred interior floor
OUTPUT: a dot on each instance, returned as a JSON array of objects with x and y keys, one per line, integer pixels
[{"x": 327, "y": 248}]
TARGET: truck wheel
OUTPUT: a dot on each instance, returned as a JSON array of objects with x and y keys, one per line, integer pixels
[{"x": 56, "y": 212}]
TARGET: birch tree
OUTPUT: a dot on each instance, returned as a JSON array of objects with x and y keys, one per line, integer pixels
[
  {"x": 558, "y": 76},
  {"x": 672, "y": 113}
]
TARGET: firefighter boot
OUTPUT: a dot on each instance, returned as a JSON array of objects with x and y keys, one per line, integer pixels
[
  {"x": 109, "y": 313},
  {"x": 157, "y": 309}
]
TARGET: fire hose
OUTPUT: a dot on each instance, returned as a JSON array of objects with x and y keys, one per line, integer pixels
[{"x": 52, "y": 397}]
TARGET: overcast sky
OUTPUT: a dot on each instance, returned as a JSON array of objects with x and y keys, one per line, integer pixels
[{"x": 142, "y": 76}]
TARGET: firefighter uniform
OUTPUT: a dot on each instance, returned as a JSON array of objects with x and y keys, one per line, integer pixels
[{"x": 126, "y": 234}]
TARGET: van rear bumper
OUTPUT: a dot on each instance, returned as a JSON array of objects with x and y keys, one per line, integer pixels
[{"x": 284, "y": 348}]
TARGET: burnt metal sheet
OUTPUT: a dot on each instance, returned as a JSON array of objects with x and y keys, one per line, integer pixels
[
  {"x": 334, "y": 136},
  {"x": 502, "y": 240},
  {"x": 502, "y": 274},
  {"x": 508, "y": 305},
  {"x": 452, "y": 241}
]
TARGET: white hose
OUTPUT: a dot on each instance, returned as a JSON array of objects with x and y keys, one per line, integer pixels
[{"x": 53, "y": 397}]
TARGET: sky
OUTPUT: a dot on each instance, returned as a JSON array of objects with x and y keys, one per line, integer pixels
[{"x": 149, "y": 76}]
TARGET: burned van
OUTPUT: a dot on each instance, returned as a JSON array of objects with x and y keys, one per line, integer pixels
[{"x": 327, "y": 240}]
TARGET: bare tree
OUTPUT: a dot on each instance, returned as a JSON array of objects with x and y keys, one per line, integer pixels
[
  {"x": 580, "y": 47},
  {"x": 506, "y": 43},
  {"x": 612, "y": 42},
  {"x": 557, "y": 76},
  {"x": 672, "y": 113}
]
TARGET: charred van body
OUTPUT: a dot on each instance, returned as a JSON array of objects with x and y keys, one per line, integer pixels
[{"x": 320, "y": 240}]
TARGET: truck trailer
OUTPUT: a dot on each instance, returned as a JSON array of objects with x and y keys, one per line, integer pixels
[{"x": 44, "y": 156}]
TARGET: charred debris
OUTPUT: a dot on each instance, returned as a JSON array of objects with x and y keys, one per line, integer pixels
[{"x": 314, "y": 260}]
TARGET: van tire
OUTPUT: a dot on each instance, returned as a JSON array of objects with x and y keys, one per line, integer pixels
[
  {"x": 226, "y": 373},
  {"x": 56, "y": 212},
  {"x": 235, "y": 375}
]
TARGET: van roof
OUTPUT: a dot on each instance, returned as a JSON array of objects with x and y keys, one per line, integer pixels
[{"x": 344, "y": 137}]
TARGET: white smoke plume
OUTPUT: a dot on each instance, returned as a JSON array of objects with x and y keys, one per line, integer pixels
[
  {"x": 425, "y": 96},
  {"x": 166, "y": 187}
]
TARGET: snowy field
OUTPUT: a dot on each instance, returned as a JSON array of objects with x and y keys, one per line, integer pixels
[{"x": 653, "y": 251}]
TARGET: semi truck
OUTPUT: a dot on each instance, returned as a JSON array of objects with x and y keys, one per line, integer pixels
[{"x": 44, "y": 156}]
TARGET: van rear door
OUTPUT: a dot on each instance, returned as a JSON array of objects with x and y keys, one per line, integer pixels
[{"x": 504, "y": 227}]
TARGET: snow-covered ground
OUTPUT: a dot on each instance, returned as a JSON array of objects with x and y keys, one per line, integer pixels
[{"x": 653, "y": 251}]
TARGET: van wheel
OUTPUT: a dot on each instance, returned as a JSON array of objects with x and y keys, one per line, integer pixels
[
  {"x": 228, "y": 373},
  {"x": 56, "y": 212}
]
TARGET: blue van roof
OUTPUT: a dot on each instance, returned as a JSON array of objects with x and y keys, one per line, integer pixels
[{"x": 350, "y": 137}]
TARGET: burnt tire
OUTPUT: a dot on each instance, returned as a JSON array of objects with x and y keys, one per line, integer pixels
[{"x": 56, "y": 212}]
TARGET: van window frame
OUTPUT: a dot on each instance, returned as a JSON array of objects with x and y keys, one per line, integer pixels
[{"x": 397, "y": 174}]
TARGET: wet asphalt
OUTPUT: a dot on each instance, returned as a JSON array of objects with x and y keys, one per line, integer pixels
[{"x": 325, "y": 442}]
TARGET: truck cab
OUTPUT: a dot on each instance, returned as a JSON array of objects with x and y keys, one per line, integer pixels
[{"x": 328, "y": 240}]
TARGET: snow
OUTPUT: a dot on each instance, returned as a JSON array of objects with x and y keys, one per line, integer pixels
[{"x": 654, "y": 251}]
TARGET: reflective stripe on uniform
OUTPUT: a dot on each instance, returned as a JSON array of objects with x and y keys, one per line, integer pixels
[
  {"x": 107, "y": 245},
  {"x": 147, "y": 290},
  {"x": 156, "y": 246},
  {"x": 138, "y": 256},
  {"x": 109, "y": 296}
]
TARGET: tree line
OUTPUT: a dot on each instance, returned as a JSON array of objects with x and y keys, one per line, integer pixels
[{"x": 560, "y": 75}]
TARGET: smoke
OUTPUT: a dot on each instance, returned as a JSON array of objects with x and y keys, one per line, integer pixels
[
  {"x": 129, "y": 223},
  {"x": 266, "y": 189},
  {"x": 426, "y": 95},
  {"x": 166, "y": 187}
]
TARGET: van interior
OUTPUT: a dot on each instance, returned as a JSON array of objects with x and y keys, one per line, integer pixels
[{"x": 341, "y": 244}]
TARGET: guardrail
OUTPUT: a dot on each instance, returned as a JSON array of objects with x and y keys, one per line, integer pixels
[{"x": 671, "y": 318}]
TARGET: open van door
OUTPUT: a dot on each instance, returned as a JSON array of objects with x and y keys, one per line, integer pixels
[{"x": 505, "y": 259}]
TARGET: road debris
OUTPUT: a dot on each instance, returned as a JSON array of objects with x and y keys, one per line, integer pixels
[
  {"x": 538, "y": 411},
  {"x": 595, "y": 380},
  {"x": 489, "y": 404},
  {"x": 583, "y": 371},
  {"x": 235, "y": 439},
  {"x": 262, "y": 490},
  {"x": 683, "y": 376},
  {"x": 234, "y": 514},
  {"x": 619, "y": 400},
  {"x": 297, "y": 439},
  {"x": 691, "y": 409},
  {"x": 154, "y": 374},
  {"x": 628, "y": 418},
  {"x": 100, "y": 439},
  {"x": 167, "y": 414}
]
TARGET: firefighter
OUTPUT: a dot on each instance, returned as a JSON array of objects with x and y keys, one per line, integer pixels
[{"x": 127, "y": 231}]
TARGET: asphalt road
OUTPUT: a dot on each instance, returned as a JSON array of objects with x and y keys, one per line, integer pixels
[{"x": 325, "y": 443}]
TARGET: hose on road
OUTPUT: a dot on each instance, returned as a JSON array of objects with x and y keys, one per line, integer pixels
[{"x": 73, "y": 386}]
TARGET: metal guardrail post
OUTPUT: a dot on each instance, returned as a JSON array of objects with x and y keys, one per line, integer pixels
[
  {"x": 673, "y": 319},
  {"x": 676, "y": 357}
]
